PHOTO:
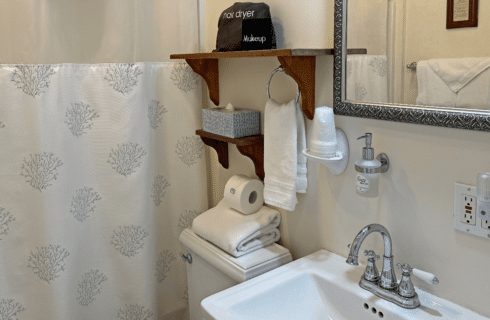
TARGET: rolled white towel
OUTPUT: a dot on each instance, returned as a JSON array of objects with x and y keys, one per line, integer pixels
[{"x": 236, "y": 233}]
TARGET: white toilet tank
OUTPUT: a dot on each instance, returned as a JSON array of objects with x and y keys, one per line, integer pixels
[{"x": 212, "y": 270}]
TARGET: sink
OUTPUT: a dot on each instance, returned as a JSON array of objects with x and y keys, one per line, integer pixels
[{"x": 319, "y": 286}]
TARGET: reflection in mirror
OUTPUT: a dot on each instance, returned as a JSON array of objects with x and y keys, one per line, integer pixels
[
  {"x": 367, "y": 75},
  {"x": 451, "y": 67}
]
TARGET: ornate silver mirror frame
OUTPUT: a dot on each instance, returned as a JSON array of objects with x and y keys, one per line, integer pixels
[{"x": 433, "y": 116}]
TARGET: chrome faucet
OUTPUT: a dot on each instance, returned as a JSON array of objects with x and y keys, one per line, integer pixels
[
  {"x": 388, "y": 277},
  {"x": 385, "y": 286}
]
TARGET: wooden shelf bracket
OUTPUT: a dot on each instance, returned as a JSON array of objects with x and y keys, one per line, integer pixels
[
  {"x": 252, "y": 147},
  {"x": 256, "y": 153},
  {"x": 208, "y": 70},
  {"x": 221, "y": 149},
  {"x": 302, "y": 70}
]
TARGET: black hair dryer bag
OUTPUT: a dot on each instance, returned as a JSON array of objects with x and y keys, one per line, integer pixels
[{"x": 246, "y": 26}]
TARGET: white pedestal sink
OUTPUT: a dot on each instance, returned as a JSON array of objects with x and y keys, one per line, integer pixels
[{"x": 319, "y": 286}]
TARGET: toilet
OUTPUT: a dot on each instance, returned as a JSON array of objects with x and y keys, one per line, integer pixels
[{"x": 211, "y": 270}]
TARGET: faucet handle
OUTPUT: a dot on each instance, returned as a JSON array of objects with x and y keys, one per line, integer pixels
[
  {"x": 405, "y": 268},
  {"x": 371, "y": 254},
  {"x": 425, "y": 276},
  {"x": 371, "y": 273},
  {"x": 405, "y": 287},
  {"x": 422, "y": 275}
]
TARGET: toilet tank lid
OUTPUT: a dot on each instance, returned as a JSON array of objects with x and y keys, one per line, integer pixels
[{"x": 242, "y": 268}]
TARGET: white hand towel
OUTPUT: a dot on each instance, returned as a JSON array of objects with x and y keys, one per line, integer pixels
[
  {"x": 301, "y": 180},
  {"x": 236, "y": 233},
  {"x": 280, "y": 154}
]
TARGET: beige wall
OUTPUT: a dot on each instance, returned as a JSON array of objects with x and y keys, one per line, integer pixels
[
  {"x": 366, "y": 25},
  {"x": 416, "y": 194}
]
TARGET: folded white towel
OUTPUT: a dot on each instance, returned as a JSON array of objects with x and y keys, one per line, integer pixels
[
  {"x": 280, "y": 154},
  {"x": 236, "y": 233},
  {"x": 301, "y": 180},
  {"x": 436, "y": 91},
  {"x": 456, "y": 73},
  {"x": 475, "y": 94},
  {"x": 432, "y": 91}
]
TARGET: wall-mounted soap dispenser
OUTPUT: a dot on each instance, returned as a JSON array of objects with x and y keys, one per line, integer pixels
[{"x": 368, "y": 169}]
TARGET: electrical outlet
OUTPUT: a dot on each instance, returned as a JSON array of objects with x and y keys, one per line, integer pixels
[
  {"x": 465, "y": 209},
  {"x": 485, "y": 224},
  {"x": 468, "y": 209}
]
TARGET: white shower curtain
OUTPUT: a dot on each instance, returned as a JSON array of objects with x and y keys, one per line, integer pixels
[
  {"x": 100, "y": 170},
  {"x": 100, "y": 167}
]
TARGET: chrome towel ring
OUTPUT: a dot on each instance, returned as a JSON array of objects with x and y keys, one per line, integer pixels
[{"x": 280, "y": 69}]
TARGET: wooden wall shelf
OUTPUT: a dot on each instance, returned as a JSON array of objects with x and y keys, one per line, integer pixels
[
  {"x": 252, "y": 147},
  {"x": 298, "y": 63},
  {"x": 263, "y": 53}
]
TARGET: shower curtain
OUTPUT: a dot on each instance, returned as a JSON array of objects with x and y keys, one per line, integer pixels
[{"x": 100, "y": 171}]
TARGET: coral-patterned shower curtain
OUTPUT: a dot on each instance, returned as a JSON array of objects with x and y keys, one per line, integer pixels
[{"x": 100, "y": 171}]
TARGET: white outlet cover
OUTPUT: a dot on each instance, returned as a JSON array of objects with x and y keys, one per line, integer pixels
[
  {"x": 469, "y": 216},
  {"x": 477, "y": 230}
]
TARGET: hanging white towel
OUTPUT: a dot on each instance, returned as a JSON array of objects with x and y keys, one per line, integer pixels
[
  {"x": 301, "y": 180},
  {"x": 236, "y": 233},
  {"x": 281, "y": 155},
  {"x": 367, "y": 79}
]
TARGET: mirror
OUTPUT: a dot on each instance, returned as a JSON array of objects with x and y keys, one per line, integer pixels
[{"x": 443, "y": 87}]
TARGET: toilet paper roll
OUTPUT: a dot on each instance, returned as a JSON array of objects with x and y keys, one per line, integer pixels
[{"x": 244, "y": 194}]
